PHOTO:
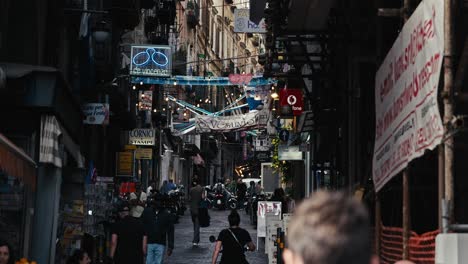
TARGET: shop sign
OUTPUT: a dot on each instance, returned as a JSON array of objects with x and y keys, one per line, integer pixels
[
  {"x": 145, "y": 100},
  {"x": 96, "y": 114},
  {"x": 293, "y": 98},
  {"x": 144, "y": 153},
  {"x": 406, "y": 87},
  {"x": 124, "y": 164},
  {"x": 128, "y": 147},
  {"x": 154, "y": 61},
  {"x": 262, "y": 144},
  {"x": 142, "y": 136},
  {"x": 243, "y": 24},
  {"x": 289, "y": 153},
  {"x": 263, "y": 156}
]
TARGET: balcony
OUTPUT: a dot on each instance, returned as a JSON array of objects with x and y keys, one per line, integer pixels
[{"x": 192, "y": 13}]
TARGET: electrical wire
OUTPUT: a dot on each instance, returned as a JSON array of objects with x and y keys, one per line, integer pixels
[{"x": 212, "y": 60}]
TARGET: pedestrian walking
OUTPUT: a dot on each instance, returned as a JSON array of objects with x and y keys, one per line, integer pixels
[
  {"x": 233, "y": 241},
  {"x": 164, "y": 188},
  {"x": 128, "y": 242},
  {"x": 159, "y": 228},
  {"x": 196, "y": 195},
  {"x": 151, "y": 188},
  {"x": 241, "y": 190},
  {"x": 171, "y": 185},
  {"x": 79, "y": 257},
  {"x": 329, "y": 228},
  {"x": 137, "y": 201},
  {"x": 280, "y": 196},
  {"x": 6, "y": 253}
]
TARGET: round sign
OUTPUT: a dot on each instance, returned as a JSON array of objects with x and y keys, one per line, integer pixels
[
  {"x": 292, "y": 99},
  {"x": 284, "y": 135}
]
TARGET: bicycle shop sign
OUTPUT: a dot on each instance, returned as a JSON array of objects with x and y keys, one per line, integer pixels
[
  {"x": 406, "y": 86},
  {"x": 152, "y": 61},
  {"x": 142, "y": 136}
]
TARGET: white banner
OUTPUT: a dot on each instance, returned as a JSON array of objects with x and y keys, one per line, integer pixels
[
  {"x": 407, "y": 114},
  {"x": 96, "y": 114},
  {"x": 209, "y": 123},
  {"x": 242, "y": 23}
]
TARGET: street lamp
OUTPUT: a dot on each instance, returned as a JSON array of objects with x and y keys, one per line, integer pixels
[{"x": 101, "y": 32}]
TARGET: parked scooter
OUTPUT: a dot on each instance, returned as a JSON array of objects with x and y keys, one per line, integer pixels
[
  {"x": 178, "y": 197},
  {"x": 232, "y": 201}
]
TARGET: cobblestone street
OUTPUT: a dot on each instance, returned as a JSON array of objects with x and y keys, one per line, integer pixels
[{"x": 184, "y": 252}]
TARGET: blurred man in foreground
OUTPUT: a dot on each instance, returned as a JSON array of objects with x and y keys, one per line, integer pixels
[{"x": 329, "y": 228}]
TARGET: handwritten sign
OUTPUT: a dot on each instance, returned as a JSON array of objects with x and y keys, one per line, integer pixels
[
  {"x": 96, "y": 114},
  {"x": 407, "y": 115}
]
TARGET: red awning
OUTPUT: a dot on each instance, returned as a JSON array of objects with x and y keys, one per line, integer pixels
[{"x": 16, "y": 163}]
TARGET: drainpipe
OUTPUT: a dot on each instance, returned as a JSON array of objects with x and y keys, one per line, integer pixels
[
  {"x": 447, "y": 96},
  {"x": 406, "y": 193}
]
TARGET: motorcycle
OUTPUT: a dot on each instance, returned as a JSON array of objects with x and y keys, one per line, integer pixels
[
  {"x": 218, "y": 201},
  {"x": 232, "y": 201},
  {"x": 177, "y": 196}
]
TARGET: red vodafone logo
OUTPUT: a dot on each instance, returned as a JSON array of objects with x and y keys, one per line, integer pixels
[
  {"x": 292, "y": 97},
  {"x": 292, "y": 100}
]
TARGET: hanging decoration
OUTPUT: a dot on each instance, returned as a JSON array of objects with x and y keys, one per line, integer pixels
[{"x": 199, "y": 80}]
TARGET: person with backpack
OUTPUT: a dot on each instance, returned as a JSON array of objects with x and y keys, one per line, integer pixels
[{"x": 233, "y": 241}]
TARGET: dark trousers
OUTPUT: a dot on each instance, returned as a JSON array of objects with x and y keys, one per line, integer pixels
[{"x": 196, "y": 226}]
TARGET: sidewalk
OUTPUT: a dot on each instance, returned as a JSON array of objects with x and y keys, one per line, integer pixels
[{"x": 184, "y": 252}]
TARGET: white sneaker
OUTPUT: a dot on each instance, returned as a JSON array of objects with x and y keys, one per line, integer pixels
[{"x": 195, "y": 244}]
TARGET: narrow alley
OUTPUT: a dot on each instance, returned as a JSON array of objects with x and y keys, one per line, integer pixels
[{"x": 184, "y": 252}]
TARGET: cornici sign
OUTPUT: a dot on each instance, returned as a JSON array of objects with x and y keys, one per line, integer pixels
[{"x": 142, "y": 136}]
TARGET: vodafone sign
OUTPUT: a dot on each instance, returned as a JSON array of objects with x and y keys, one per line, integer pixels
[{"x": 292, "y": 97}]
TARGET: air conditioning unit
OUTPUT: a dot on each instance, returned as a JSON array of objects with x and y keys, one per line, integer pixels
[{"x": 451, "y": 248}]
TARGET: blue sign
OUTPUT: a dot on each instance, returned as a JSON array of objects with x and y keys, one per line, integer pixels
[
  {"x": 284, "y": 135},
  {"x": 153, "y": 61}
]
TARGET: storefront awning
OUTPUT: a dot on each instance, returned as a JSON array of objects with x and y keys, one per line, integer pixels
[{"x": 15, "y": 162}]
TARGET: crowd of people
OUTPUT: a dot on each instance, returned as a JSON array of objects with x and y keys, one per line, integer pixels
[{"x": 327, "y": 228}]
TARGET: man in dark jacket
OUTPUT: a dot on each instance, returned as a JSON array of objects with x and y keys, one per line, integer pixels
[
  {"x": 159, "y": 227},
  {"x": 128, "y": 243}
]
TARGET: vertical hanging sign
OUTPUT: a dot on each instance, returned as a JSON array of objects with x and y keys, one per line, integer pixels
[{"x": 145, "y": 99}]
